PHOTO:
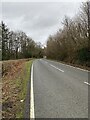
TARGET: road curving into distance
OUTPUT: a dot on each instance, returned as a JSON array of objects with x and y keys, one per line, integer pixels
[{"x": 59, "y": 90}]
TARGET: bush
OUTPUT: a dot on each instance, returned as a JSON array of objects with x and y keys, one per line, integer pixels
[{"x": 84, "y": 55}]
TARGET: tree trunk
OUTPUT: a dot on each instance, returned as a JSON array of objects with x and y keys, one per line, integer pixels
[{"x": 88, "y": 4}]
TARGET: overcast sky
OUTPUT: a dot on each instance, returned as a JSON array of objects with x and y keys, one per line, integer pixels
[{"x": 38, "y": 20}]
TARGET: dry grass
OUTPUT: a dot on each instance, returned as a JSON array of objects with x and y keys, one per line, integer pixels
[{"x": 12, "y": 72}]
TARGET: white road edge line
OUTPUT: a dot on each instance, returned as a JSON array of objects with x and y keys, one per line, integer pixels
[
  {"x": 32, "y": 114},
  {"x": 87, "y": 83},
  {"x": 56, "y": 68},
  {"x": 75, "y": 67}
]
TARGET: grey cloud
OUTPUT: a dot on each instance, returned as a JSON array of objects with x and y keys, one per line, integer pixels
[{"x": 38, "y": 20}]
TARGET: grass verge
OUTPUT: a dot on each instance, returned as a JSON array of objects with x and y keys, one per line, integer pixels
[
  {"x": 22, "y": 95},
  {"x": 15, "y": 89}
]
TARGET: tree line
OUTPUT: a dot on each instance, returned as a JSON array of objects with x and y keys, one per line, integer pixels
[
  {"x": 0, "y": 43},
  {"x": 72, "y": 42},
  {"x": 17, "y": 45}
]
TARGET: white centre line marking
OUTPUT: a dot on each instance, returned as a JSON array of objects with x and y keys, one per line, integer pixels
[
  {"x": 56, "y": 68},
  {"x": 32, "y": 114},
  {"x": 87, "y": 83}
]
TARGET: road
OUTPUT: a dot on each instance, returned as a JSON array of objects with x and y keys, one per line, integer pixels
[{"x": 59, "y": 91}]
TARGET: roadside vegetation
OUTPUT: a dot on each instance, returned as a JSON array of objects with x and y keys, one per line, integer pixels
[
  {"x": 17, "y": 45},
  {"x": 71, "y": 44},
  {"x": 17, "y": 52},
  {"x": 16, "y": 74}
]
